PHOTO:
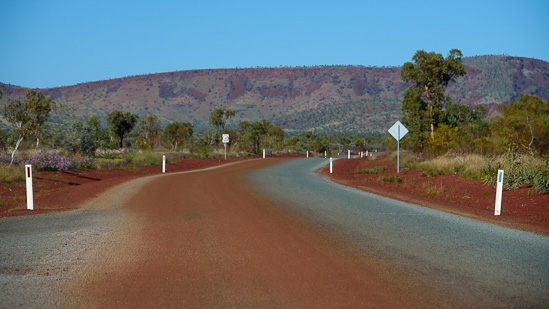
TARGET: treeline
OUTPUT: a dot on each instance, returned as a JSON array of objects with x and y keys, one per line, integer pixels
[{"x": 40, "y": 123}]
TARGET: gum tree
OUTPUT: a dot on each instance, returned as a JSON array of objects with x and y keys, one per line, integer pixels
[
  {"x": 424, "y": 101},
  {"x": 28, "y": 117},
  {"x": 121, "y": 123},
  {"x": 220, "y": 116}
]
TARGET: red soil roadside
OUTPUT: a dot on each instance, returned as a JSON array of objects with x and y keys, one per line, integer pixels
[
  {"x": 60, "y": 191},
  {"x": 449, "y": 193}
]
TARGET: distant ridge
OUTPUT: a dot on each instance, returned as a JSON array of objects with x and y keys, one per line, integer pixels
[{"x": 324, "y": 98}]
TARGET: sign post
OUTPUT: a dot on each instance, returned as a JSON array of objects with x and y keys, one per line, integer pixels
[
  {"x": 499, "y": 192},
  {"x": 398, "y": 131},
  {"x": 30, "y": 197},
  {"x": 225, "y": 142}
]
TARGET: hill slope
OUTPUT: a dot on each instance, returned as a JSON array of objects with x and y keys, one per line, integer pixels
[{"x": 333, "y": 98}]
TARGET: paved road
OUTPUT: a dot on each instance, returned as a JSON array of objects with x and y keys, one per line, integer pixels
[
  {"x": 276, "y": 237},
  {"x": 482, "y": 265}
]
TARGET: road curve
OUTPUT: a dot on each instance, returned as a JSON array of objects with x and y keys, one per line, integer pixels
[
  {"x": 475, "y": 263},
  {"x": 209, "y": 239},
  {"x": 262, "y": 234}
]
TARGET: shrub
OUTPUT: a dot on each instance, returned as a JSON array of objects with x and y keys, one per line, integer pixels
[
  {"x": 54, "y": 161},
  {"x": 389, "y": 179},
  {"x": 49, "y": 161},
  {"x": 12, "y": 173},
  {"x": 82, "y": 163},
  {"x": 520, "y": 170},
  {"x": 370, "y": 171}
]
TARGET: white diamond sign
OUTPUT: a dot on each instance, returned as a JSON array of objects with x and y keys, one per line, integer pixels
[{"x": 398, "y": 130}]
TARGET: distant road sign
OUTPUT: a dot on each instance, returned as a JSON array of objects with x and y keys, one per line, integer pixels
[
  {"x": 225, "y": 138},
  {"x": 398, "y": 130}
]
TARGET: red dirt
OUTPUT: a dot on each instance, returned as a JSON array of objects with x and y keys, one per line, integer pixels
[
  {"x": 450, "y": 193},
  {"x": 208, "y": 240},
  {"x": 59, "y": 191}
]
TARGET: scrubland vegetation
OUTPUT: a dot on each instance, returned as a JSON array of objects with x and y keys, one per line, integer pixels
[{"x": 443, "y": 138}]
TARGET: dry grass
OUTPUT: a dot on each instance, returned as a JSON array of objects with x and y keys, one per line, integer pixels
[
  {"x": 468, "y": 166},
  {"x": 12, "y": 173}
]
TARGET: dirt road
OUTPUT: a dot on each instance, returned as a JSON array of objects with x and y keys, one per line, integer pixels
[{"x": 207, "y": 240}]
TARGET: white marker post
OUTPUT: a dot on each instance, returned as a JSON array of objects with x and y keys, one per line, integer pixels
[
  {"x": 325, "y": 154},
  {"x": 348, "y": 154},
  {"x": 30, "y": 197},
  {"x": 499, "y": 192},
  {"x": 331, "y": 165},
  {"x": 307, "y": 153},
  {"x": 225, "y": 142},
  {"x": 398, "y": 131},
  {"x": 263, "y": 153},
  {"x": 366, "y": 152},
  {"x": 163, "y": 164}
]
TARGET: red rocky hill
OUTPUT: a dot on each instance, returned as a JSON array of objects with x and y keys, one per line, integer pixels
[{"x": 333, "y": 98}]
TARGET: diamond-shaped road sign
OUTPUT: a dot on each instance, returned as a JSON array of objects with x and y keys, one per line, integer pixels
[{"x": 398, "y": 130}]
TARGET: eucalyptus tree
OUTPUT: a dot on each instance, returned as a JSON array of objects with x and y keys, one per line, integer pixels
[
  {"x": 424, "y": 101},
  {"x": 29, "y": 117},
  {"x": 220, "y": 116},
  {"x": 178, "y": 133},
  {"x": 121, "y": 123}
]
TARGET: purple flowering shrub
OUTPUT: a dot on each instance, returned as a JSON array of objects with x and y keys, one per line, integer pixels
[
  {"x": 53, "y": 161},
  {"x": 49, "y": 161}
]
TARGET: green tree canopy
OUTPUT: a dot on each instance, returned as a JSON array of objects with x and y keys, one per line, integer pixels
[
  {"x": 85, "y": 137},
  {"x": 524, "y": 125},
  {"x": 178, "y": 133},
  {"x": 220, "y": 116},
  {"x": 424, "y": 101},
  {"x": 149, "y": 132},
  {"x": 28, "y": 117},
  {"x": 121, "y": 123}
]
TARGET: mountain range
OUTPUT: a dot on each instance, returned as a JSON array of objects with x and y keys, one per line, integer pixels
[{"x": 324, "y": 98}]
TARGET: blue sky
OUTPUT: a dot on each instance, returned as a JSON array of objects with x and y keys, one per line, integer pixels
[{"x": 60, "y": 43}]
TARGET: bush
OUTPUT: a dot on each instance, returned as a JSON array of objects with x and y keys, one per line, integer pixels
[
  {"x": 54, "y": 161},
  {"x": 49, "y": 161},
  {"x": 519, "y": 170},
  {"x": 12, "y": 173},
  {"x": 371, "y": 171}
]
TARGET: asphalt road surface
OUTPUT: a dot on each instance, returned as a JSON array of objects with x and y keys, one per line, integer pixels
[{"x": 244, "y": 235}]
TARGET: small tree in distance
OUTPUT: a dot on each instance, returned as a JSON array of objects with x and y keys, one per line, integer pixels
[
  {"x": 121, "y": 123},
  {"x": 220, "y": 116},
  {"x": 178, "y": 133}
]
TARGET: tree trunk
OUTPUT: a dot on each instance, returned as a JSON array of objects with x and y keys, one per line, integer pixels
[
  {"x": 432, "y": 125},
  {"x": 15, "y": 149}
]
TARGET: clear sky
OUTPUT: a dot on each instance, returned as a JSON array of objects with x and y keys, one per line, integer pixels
[{"x": 51, "y": 43}]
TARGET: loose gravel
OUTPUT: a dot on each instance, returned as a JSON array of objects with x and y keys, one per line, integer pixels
[{"x": 41, "y": 254}]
